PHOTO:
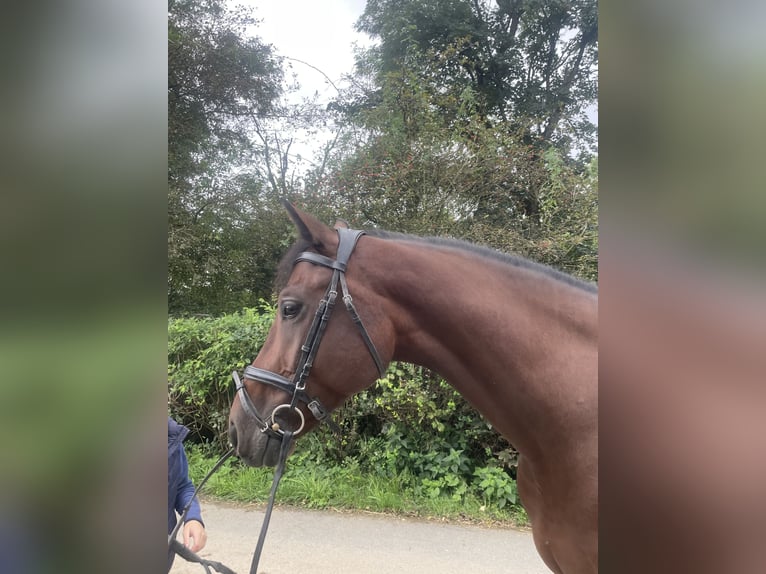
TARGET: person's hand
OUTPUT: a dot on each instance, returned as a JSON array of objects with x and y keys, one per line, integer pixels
[{"x": 195, "y": 536}]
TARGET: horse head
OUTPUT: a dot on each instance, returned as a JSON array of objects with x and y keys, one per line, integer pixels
[{"x": 320, "y": 350}]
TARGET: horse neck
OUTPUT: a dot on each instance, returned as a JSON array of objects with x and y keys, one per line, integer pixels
[{"x": 521, "y": 346}]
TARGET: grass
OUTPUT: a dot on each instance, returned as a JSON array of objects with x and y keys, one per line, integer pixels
[{"x": 345, "y": 487}]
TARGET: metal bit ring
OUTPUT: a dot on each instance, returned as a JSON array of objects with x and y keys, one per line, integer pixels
[{"x": 275, "y": 424}]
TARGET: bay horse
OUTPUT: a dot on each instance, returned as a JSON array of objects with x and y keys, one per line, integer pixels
[{"x": 517, "y": 339}]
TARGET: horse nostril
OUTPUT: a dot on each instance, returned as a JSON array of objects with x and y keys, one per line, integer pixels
[{"x": 233, "y": 435}]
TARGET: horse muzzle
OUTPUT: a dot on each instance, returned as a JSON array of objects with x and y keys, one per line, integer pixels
[{"x": 254, "y": 446}]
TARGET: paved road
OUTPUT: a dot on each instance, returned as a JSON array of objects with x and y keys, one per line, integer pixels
[{"x": 327, "y": 542}]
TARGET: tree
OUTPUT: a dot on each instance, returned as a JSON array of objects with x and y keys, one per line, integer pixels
[
  {"x": 464, "y": 120},
  {"x": 217, "y": 80},
  {"x": 528, "y": 63},
  {"x": 220, "y": 84},
  {"x": 413, "y": 174},
  {"x": 428, "y": 160}
]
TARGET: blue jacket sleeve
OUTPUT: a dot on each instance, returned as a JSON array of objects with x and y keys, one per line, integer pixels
[{"x": 185, "y": 492}]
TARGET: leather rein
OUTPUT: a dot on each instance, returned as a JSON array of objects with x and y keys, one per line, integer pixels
[{"x": 295, "y": 387}]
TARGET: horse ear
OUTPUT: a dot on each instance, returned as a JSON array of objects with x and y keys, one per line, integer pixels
[{"x": 311, "y": 229}]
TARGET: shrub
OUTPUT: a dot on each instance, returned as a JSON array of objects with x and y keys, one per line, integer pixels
[
  {"x": 495, "y": 486},
  {"x": 202, "y": 353}
]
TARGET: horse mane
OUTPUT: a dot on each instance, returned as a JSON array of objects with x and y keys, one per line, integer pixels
[{"x": 286, "y": 263}]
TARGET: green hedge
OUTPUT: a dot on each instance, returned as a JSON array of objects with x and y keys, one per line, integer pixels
[
  {"x": 202, "y": 353},
  {"x": 411, "y": 423}
]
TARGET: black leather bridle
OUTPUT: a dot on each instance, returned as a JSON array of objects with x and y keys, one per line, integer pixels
[{"x": 296, "y": 387}]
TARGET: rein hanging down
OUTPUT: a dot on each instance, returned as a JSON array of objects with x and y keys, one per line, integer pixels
[{"x": 296, "y": 388}]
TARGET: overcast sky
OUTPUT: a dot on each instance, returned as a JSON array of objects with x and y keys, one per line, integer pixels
[{"x": 319, "y": 32}]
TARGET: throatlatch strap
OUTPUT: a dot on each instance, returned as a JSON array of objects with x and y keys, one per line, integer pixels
[{"x": 349, "y": 302}]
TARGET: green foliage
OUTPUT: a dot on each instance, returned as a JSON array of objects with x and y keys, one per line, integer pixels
[
  {"x": 223, "y": 235},
  {"x": 468, "y": 181},
  {"x": 495, "y": 486},
  {"x": 468, "y": 120},
  {"x": 346, "y": 486},
  {"x": 202, "y": 353},
  {"x": 432, "y": 153},
  {"x": 524, "y": 63},
  {"x": 568, "y": 223},
  {"x": 216, "y": 75}
]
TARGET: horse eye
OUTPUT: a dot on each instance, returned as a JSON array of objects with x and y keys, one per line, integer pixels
[{"x": 290, "y": 309}]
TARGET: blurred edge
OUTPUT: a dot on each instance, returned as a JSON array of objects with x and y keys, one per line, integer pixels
[
  {"x": 682, "y": 121},
  {"x": 683, "y": 314},
  {"x": 83, "y": 305}
]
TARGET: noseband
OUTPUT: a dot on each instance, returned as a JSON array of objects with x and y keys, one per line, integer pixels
[{"x": 297, "y": 386}]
